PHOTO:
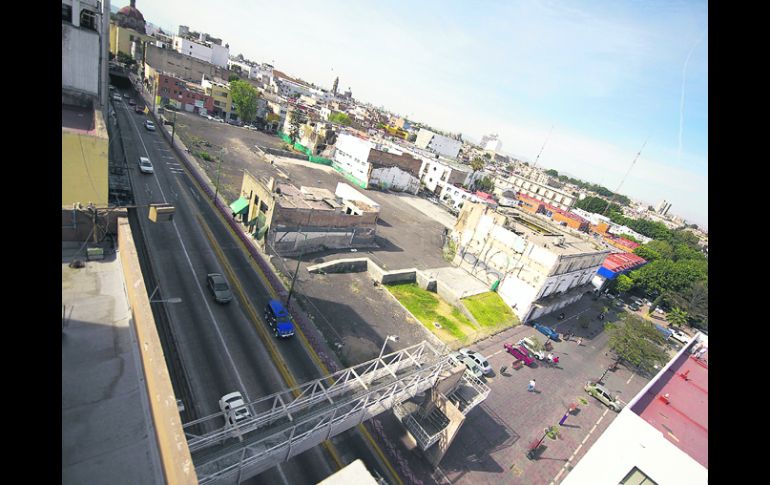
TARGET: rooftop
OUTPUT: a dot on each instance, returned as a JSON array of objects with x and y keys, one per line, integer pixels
[
  {"x": 677, "y": 405},
  {"x": 107, "y": 432}
]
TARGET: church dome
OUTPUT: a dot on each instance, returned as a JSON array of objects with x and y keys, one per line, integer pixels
[{"x": 129, "y": 16}]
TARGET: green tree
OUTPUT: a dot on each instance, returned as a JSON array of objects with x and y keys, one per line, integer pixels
[
  {"x": 297, "y": 119},
  {"x": 646, "y": 253},
  {"x": 485, "y": 184},
  {"x": 677, "y": 317},
  {"x": 624, "y": 284},
  {"x": 245, "y": 98},
  {"x": 637, "y": 342},
  {"x": 339, "y": 117},
  {"x": 233, "y": 77},
  {"x": 477, "y": 164},
  {"x": 694, "y": 300},
  {"x": 552, "y": 173}
]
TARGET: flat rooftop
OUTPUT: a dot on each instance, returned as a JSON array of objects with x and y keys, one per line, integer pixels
[
  {"x": 107, "y": 432},
  {"x": 542, "y": 232},
  {"x": 677, "y": 406}
]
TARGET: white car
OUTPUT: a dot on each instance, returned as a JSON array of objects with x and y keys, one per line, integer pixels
[
  {"x": 680, "y": 337},
  {"x": 234, "y": 408},
  {"x": 528, "y": 344},
  {"x": 470, "y": 364},
  {"x": 116, "y": 97},
  {"x": 478, "y": 359},
  {"x": 149, "y": 125},
  {"x": 145, "y": 165}
]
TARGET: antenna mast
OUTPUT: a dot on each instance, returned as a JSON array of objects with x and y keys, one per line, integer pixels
[
  {"x": 615, "y": 193},
  {"x": 543, "y": 147}
]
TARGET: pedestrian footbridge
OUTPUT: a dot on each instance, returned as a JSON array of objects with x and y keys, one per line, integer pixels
[{"x": 429, "y": 389}]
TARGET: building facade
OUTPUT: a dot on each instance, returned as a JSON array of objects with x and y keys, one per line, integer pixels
[
  {"x": 537, "y": 189},
  {"x": 538, "y": 267}
]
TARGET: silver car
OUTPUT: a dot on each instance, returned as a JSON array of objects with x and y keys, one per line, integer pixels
[
  {"x": 479, "y": 359},
  {"x": 219, "y": 287},
  {"x": 470, "y": 364}
]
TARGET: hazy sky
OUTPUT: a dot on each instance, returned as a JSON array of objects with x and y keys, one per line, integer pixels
[{"x": 606, "y": 74}]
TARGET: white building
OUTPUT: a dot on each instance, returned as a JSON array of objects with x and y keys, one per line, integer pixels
[
  {"x": 663, "y": 207},
  {"x": 491, "y": 143},
  {"x": 248, "y": 69},
  {"x": 368, "y": 164},
  {"x": 439, "y": 144},
  {"x": 203, "y": 50},
  {"x": 84, "y": 48},
  {"x": 540, "y": 267},
  {"x": 534, "y": 188},
  {"x": 351, "y": 158},
  {"x": 436, "y": 171}
]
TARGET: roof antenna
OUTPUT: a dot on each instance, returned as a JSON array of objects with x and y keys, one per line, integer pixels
[
  {"x": 543, "y": 147},
  {"x": 615, "y": 193}
]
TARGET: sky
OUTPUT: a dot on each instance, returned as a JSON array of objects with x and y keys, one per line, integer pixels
[{"x": 602, "y": 76}]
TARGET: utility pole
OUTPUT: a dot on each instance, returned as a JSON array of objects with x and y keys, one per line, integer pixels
[{"x": 299, "y": 260}]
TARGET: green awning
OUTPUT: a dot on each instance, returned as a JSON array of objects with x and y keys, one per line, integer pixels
[{"x": 240, "y": 205}]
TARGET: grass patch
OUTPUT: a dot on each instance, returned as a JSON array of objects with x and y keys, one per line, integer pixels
[
  {"x": 428, "y": 307},
  {"x": 490, "y": 310}
]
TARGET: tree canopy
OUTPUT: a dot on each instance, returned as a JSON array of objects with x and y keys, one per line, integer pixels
[
  {"x": 341, "y": 118},
  {"x": 245, "y": 98},
  {"x": 477, "y": 164},
  {"x": 637, "y": 342}
]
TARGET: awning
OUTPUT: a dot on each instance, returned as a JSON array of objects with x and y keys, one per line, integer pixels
[{"x": 239, "y": 206}]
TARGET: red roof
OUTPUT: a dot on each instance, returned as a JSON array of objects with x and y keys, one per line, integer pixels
[
  {"x": 677, "y": 406},
  {"x": 618, "y": 262},
  {"x": 484, "y": 195},
  {"x": 622, "y": 241}
]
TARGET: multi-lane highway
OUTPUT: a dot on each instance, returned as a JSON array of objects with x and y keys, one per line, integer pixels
[{"x": 220, "y": 346}]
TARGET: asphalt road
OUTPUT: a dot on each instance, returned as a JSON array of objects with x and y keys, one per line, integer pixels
[{"x": 219, "y": 347}]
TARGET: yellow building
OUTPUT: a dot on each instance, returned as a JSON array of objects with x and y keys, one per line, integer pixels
[
  {"x": 223, "y": 100},
  {"x": 84, "y": 162},
  {"x": 122, "y": 40}
]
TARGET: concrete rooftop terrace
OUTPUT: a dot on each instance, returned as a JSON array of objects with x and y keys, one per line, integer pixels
[
  {"x": 107, "y": 431},
  {"x": 677, "y": 406},
  {"x": 542, "y": 231}
]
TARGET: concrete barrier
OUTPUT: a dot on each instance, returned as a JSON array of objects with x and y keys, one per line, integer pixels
[{"x": 174, "y": 454}]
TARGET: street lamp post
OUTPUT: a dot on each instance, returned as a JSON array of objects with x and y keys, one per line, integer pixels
[
  {"x": 216, "y": 184},
  {"x": 389, "y": 337},
  {"x": 296, "y": 272},
  {"x": 173, "y": 129}
]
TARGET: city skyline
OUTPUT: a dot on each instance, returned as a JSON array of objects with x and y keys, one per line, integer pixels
[{"x": 601, "y": 77}]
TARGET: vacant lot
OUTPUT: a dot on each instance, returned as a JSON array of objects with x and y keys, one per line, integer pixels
[
  {"x": 490, "y": 311},
  {"x": 430, "y": 309}
]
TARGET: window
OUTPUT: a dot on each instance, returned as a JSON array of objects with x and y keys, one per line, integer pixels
[
  {"x": 66, "y": 13},
  {"x": 637, "y": 477},
  {"x": 88, "y": 19}
]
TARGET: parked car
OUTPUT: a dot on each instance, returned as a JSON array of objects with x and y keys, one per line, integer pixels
[
  {"x": 149, "y": 125},
  {"x": 219, "y": 288},
  {"x": 470, "y": 364},
  {"x": 116, "y": 97},
  {"x": 529, "y": 344},
  {"x": 234, "y": 408},
  {"x": 126, "y": 95},
  {"x": 478, "y": 359},
  {"x": 634, "y": 306},
  {"x": 547, "y": 331},
  {"x": 520, "y": 353},
  {"x": 250, "y": 127},
  {"x": 145, "y": 165},
  {"x": 680, "y": 337},
  {"x": 663, "y": 330},
  {"x": 139, "y": 109},
  {"x": 603, "y": 395},
  {"x": 131, "y": 102}
]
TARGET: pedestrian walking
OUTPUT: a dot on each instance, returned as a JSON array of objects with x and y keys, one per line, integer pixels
[
  {"x": 531, "y": 386},
  {"x": 580, "y": 341}
]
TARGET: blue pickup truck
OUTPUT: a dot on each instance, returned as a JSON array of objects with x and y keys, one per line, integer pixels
[{"x": 279, "y": 319}]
